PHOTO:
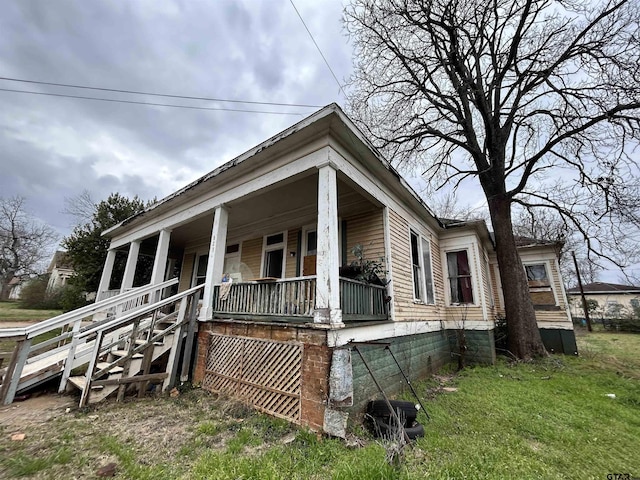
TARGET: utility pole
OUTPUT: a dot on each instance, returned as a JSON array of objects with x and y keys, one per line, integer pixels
[{"x": 584, "y": 300}]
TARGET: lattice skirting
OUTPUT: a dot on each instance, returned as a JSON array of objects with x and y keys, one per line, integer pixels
[{"x": 264, "y": 373}]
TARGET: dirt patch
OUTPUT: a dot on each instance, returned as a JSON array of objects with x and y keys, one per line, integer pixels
[{"x": 36, "y": 410}]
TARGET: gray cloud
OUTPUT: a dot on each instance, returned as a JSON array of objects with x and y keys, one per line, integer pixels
[{"x": 52, "y": 148}]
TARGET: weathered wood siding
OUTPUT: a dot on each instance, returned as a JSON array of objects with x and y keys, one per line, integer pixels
[
  {"x": 405, "y": 307},
  {"x": 252, "y": 256},
  {"x": 368, "y": 230},
  {"x": 292, "y": 246}
]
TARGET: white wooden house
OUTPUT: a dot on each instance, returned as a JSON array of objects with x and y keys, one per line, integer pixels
[{"x": 279, "y": 224}]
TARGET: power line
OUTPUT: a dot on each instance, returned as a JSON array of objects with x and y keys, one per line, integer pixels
[
  {"x": 319, "y": 51},
  {"x": 148, "y": 103},
  {"x": 103, "y": 89}
]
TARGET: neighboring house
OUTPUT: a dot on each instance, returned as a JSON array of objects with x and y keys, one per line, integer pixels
[
  {"x": 614, "y": 300},
  {"x": 15, "y": 288},
  {"x": 60, "y": 270},
  {"x": 281, "y": 222}
]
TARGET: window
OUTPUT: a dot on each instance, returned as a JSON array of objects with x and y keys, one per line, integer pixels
[
  {"x": 459, "y": 277},
  {"x": 421, "y": 267},
  {"x": 309, "y": 251},
  {"x": 537, "y": 275},
  {"x": 200, "y": 273},
  {"x": 539, "y": 286},
  {"x": 415, "y": 263},
  {"x": 232, "y": 264},
  {"x": 273, "y": 260}
]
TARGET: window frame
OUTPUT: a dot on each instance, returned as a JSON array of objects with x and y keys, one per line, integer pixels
[
  {"x": 472, "y": 274},
  {"x": 196, "y": 262},
  {"x": 424, "y": 287},
  {"x": 273, "y": 247},
  {"x": 541, "y": 288}
]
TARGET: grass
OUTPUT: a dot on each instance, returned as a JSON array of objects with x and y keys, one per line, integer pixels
[
  {"x": 11, "y": 312},
  {"x": 548, "y": 419}
]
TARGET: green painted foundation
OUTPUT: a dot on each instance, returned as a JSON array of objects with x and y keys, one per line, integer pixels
[
  {"x": 481, "y": 346},
  {"x": 418, "y": 355}
]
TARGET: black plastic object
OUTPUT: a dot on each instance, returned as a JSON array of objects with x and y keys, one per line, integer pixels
[{"x": 407, "y": 411}]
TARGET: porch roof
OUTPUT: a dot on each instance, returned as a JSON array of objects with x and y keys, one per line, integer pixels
[{"x": 329, "y": 120}]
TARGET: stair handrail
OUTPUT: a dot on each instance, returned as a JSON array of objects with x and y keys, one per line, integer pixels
[
  {"x": 98, "y": 332},
  {"x": 58, "y": 321},
  {"x": 130, "y": 317}
]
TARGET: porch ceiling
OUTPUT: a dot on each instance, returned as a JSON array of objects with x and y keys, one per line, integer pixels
[{"x": 281, "y": 207}]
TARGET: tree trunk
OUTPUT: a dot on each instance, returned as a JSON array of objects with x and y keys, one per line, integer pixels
[{"x": 524, "y": 339}]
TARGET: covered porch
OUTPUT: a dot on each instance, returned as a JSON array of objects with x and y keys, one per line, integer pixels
[{"x": 281, "y": 253}]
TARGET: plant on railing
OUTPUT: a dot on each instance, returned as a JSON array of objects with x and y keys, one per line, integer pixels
[{"x": 364, "y": 269}]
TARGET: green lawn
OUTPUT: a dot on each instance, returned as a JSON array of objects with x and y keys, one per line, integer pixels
[
  {"x": 11, "y": 312},
  {"x": 549, "y": 419}
]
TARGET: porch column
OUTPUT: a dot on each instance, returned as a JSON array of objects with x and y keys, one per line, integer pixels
[
  {"x": 328, "y": 257},
  {"x": 215, "y": 263},
  {"x": 130, "y": 267},
  {"x": 160, "y": 260},
  {"x": 107, "y": 270}
]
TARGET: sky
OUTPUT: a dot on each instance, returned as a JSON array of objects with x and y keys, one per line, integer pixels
[{"x": 52, "y": 148}]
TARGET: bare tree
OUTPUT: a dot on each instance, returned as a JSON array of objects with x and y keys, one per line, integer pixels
[
  {"x": 24, "y": 243},
  {"x": 81, "y": 207},
  {"x": 536, "y": 99},
  {"x": 448, "y": 206}
]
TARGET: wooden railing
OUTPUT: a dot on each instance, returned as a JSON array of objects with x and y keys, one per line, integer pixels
[
  {"x": 129, "y": 329},
  {"x": 288, "y": 298},
  {"x": 362, "y": 301},
  {"x": 29, "y": 350},
  {"x": 294, "y": 298}
]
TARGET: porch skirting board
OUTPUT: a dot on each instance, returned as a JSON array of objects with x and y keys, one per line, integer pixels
[
  {"x": 317, "y": 385},
  {"x": 559, "y": 340}
]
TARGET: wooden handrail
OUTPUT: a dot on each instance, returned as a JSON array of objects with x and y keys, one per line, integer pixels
[{"x": 64, "y": 319}]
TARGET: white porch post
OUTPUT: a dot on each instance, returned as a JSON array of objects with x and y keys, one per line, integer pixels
[
  {"x": 160, "y": 260},
  {"x": 215, "y": 263},
  {"x": 107, "y": 270},
  {"x": 328, "y": 257},
  {"x": 130, "y": 267}
]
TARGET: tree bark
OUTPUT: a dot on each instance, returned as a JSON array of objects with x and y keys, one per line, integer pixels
[{"x": 524, "y": 339}]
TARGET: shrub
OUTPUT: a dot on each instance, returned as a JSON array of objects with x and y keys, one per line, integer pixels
[
  {"x": 36, "y": 296},
  {"x": 71, "y": 297}
]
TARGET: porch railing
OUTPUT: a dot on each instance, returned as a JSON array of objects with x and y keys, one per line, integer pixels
[
  {"x": 289, "y": 298},
  {"x": 362, "y": 301},
  {"x": 295, "y": 299}
]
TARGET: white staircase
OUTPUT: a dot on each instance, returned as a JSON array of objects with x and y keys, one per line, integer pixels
[{"x": 135, "y": 322}]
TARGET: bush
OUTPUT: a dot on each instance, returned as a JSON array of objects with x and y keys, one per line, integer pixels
[
  {"x": 629, "y": 324},
  {"x": 35, "y": 295},
  {"x": 72, "y": 297}
]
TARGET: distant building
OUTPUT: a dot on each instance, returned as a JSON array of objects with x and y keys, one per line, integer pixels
[
  {"x": 15, "y": 287},
  {"x": 614, "y": 300},
  {"x": 60, "y": 270}
]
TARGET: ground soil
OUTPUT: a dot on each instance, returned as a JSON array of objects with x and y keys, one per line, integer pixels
[{"x": 38, "y": 409}]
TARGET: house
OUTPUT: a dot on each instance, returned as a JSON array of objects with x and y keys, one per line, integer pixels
[
  {"x": 15, "y": 288},
  {"x": 60, "y": 270},
  {"x": 613, "y": 300},
  {"x": 270, "y": 236}
]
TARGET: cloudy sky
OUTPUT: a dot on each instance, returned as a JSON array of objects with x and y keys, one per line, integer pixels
[
  {"x": 52, "y": 148},
  {"x": 252, "y": 50}
]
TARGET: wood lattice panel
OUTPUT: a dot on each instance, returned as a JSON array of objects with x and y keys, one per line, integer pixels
[{"x": 264, "y": 373}]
